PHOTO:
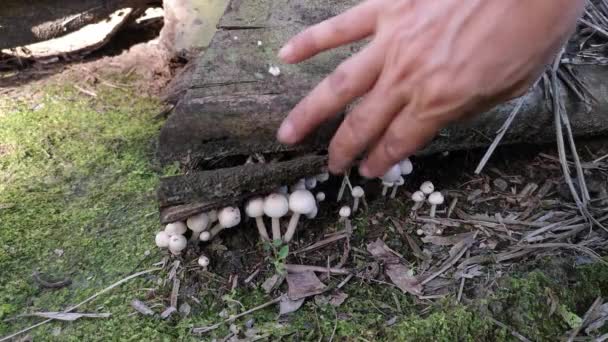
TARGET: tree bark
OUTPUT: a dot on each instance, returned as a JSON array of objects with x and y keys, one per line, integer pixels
[{"x": 24, "y": 22}]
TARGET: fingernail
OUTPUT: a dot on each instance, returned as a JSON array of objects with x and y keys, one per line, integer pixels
[
  {"x": 286, "y": 52},
  {"x": 365, "y": 171},
  {"x": 287, "y": 132}
]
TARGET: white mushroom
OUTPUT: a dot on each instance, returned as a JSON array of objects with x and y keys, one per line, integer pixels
[
  {"x": 177, "y": 243},
  {"x": 205, "y": 236},
  {"x": 162, "y": 239},
  {"x": 203, "y": 261},
  {"x": 406, "y": 166},
  {"x": 320, "y": 197},
  {"x": 357, "y": 194},
  {"x": 435, "y": 199},
  {"x": 228, "y": 218},
  {"x": 301, "y": 202},
  {"x": 176, "y": 228},
  {"x": 310, "y": 183},
  {"x": 344, "y": 212},
  {"x": 275, "y": 207},
  {"x": 344, "y": 216},
  {"x": 419, "y": 198},
  {"x": 255, "y": 209},
  {"x": 396, "y": 186},
  {"x": 197, "y": 224},
  {"x": 420, "y": 232},
  {"x": 390, "y": 177},
  {"x": 427, "y": 187},
  {"x": 313, "y": 213},
  {"x": 323, "y": 177}
]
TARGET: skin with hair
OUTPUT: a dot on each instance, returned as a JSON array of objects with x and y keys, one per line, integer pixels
[{"x": 429, "y": 63}]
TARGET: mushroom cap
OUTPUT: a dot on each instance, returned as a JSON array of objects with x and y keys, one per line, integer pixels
[
  {"x": 198, "y": 223},
  {"x": 276, "y": 205},
  {"x": 255, "y": 207},
  {"x": 229, "y": 217},
  {"x": 203, "y": 261},
  {"x": 162, "y": 239},
  {"x": 392, "y": 175},
  {"x": 420, "y": 232},
  {"x": 345, "y": 211},
  {"x": 176, "y": 228},
  {"x": 427, "y": 187},
  {"x": 418, "y": 196},
  {"x": 205, "y": 236},
  {"x": 400, "y": 181},
  {"x": 310, "y": 183},
  {"x": 436, "y": 198},
  {"x": 320, "y": 196},
  {"x": 177, "y": 243},
  {"x": 406, "y": 166},
  {"x": 323, "y": 177},
  {"x": 212, "y": 215},
  {"x": 311, "y": 215},
  {"x": 358, "y": 192},
  {"x": 302, "y": 202}
]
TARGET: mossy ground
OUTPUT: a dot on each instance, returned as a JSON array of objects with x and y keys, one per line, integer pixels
[{"x": 77, "y": 197}]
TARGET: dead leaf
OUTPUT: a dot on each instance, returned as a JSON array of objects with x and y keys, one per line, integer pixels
[
  {"x": 399, "y": 274},
  {"x": 287, "y": 305},
  {"x": 338, "y": 298},
  {"x": 68, "y": 316},
  {"x": 141, "y": 307},
  {"x": 304, "y": 284},
  {"x": 272, "y": 283}
]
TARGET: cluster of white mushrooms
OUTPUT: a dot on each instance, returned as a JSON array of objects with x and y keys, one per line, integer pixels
[{"x": 298, "y": 199}]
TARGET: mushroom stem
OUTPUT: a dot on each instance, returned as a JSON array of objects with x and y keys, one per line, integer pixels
[
  {"x": 195, "y": 235},
  {"x": 215, "y": 230},
  {"x": 291, "y": 228},
  {"x": 259, "y": 222},
  {"x": 384, "y": 190},
  {"x": 356, "y": 204},
  {"x": 276, "y": 229},
  {"x": 417, "y": 206},
  {"x": 433, "y": 210},
  {"x": 342, "y": 188},
  {"x": 394, "y": 192}
]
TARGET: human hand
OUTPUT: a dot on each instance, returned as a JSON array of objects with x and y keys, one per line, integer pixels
[{"x": 429, "y": 63}]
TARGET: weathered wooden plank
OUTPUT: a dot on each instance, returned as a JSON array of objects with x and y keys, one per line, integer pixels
[{"x": 182, "y": 196}]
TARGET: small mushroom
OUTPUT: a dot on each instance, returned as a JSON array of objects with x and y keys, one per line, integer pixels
[
  {"x": 396, "y": 186},
  {"x": 419, "y": 198},
  {"x": 320, "y": 196},
  {"x": 406, "y": 166},
  {"x": 177, "y": 243},
  {"x": 162, "y": 239},
  {"x": 344, "y": 216},
  {"x": 228, "y": 218},
  {"x": 390, "y": 177},
  {"x": 435, "y": 199},
  {"x": 176, "y": 228},
  {"x": 255, "y": 209},
  {"x": 357, "y": 194},
  {"x": 197, "y": 224},
  {"x": 275, "y": 207},
  {"x": 322, "y": 177},
  {"x": 203, "y": 261},
  {"x": 310, "y": 183},
  {"x": 301, "y": 202},
  {"x": 427, "y": 187}
]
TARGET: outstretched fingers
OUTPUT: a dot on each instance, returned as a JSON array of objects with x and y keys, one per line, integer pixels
[
  {"x": 354, "y": 24},
  {"x": 353, "y": 78}
]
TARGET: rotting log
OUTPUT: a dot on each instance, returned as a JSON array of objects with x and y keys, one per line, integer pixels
[
  {"x": 23, "y": 22},
  {"x": 232, "y": 106},
  {"x": 183, "y": 196}
]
